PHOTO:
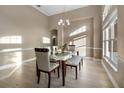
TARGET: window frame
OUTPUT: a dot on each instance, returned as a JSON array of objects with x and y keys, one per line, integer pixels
[{"x": 112, "y": 44}]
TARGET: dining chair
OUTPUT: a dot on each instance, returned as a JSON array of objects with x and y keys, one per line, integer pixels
[
  {"x": 72, "y": 49},
  {"x": 74, "y": 62},
  {"x": 75, "y": 59},
  {"x": 43, "y": 64}
]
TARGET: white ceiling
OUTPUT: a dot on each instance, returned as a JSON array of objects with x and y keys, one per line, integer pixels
[{"x": 56, "y": 9}]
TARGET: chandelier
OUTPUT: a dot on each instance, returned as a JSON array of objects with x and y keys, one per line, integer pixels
[{"x": 64, "y": 21}]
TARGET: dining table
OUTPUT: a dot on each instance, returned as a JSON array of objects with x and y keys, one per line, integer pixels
[{"x": 62, "y": 58}]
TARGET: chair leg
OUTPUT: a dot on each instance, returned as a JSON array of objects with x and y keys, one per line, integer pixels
[
  {"x": 82, "y": 61},
  {"x": 38, "y": 74},
  {"x": 79, "y": 66},
  {"x": 54, "y": 71},
  {"x": 76, "y": 72},
  {"x": 58, "y": 72},
  {"x": 49, "y": 81},
  {"x": 59, "y": 64},
  {"x": 36, "y": 69},
  {"x": 65, "y": 70}
]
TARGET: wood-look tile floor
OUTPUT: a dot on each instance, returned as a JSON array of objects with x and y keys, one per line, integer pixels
[{"x": 91, "y": 75}]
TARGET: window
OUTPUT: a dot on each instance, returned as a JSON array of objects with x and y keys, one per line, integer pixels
[
  {"x": 110, "y": 43},
  {"x": 11, "y": 40},
  {"x": 46, "y": 40},
  {"x": 80, "y": 43},
  {"x": 78, "y": 31}
]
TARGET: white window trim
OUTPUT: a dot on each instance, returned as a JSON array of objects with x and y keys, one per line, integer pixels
[{"x": 107, "y": 60}]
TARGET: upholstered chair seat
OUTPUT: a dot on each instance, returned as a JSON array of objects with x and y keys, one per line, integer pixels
[
  {"x": 75, "y": 60},
  {"x": 53, "y": 66}
]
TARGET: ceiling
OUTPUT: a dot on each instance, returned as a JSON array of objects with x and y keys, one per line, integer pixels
[{"x": 56, "y": 9}]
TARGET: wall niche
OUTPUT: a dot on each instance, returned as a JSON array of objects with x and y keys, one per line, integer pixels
[{"x": 54, "y": 37}]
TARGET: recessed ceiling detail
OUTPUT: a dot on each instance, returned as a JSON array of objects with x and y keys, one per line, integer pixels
[{"x": 56, "y": 9}]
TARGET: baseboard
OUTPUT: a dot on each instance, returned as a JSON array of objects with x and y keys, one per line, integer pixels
[{"x": 110, "y": 77}]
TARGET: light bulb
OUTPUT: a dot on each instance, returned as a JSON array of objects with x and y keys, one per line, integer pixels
[
  {"x": 59, "y": 23},
  {"x": 67, "y": 21},
  {"x": 61, "y": 20}
]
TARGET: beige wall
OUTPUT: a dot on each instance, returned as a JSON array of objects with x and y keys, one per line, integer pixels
[
  {"x": 24, "y": 21},
  {"x": 120, "y": 33},
  {"x": 118, "y": 76},
  {"x": 79, "y": 14},
  {"x": 89, "y": 33}
]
